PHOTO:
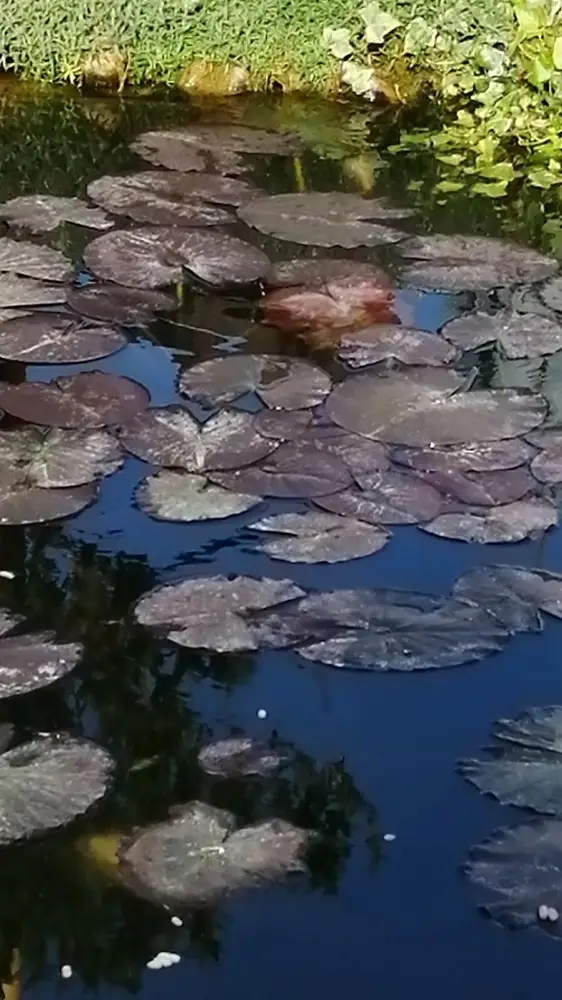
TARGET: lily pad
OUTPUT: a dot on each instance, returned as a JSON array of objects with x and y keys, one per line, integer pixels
[
  {"x": 31, "y": 260},
  {"x": 524, "y": 763},
  {"x": 484, "y": 456},
  {"x": 155, "y": 197},
  {"x": 197, "y": 855},
  {"x": 155, "y": 256},
  {"x": 29, "y": 662},
  {"x": 370, "y": 345},
  {"x": 180, "y": 496},
  {"x": 317, "y": 272},
  {"x": 58, "y": 458},
  {"x": 21, "y": 292},
  {"x": 56, "y": 338},
  {"x": 547, "y": 465},
  {"x": 208, "y": 612},
  {"x": 49, "y": 782},
  {"x": 336, "y": 305},
  {"x": 481, "y": 489},
  {"x": 89, "y": 399},
  {"x": 169, "y": 436},
  {"x": 519, "y": 871},
  {"x": 119, "y": 305},
  {"x": 319, "y": 538},
  {"x": 515, "y": 595},
  {"x": 422, "y": 407},
  {"x": 323, "y": 219},
  {"x": 471, "y": 263},
  {"x": 362, "y": 456},
  {"x": 449, "y": 636},
  {"x": 21, "y": 504},
  {"x": 509, "y": 523},
  {"x": 551, "y": 293},
  {"x": 395, "y": 500},
  {"x": 293, "y": 471},
  {"x": 240, "y": 757},
  {"x": 520, "y": 335},
  {"x": 166, "y": 149},
  {"x": 281, "y": 383},
  {"x": 41, "y": 213},
  {"x": 282, "y": 425}
]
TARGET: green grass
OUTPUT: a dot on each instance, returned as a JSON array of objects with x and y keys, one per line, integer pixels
[{"x": 51, "y": 40}]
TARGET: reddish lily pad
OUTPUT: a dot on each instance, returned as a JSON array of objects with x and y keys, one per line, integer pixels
[{"x": 342, "y": 303}]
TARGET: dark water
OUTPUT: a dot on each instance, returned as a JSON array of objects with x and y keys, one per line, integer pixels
[{"x": 370, "y": 754}]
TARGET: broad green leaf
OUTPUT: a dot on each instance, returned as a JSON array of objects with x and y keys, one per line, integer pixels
[
  {"x": 449, "y": 186},
  {"x": 337, "y": 41},
  {"x": 492, "y": 190},
  {"x": 498, "y": 171},
  {"x": 361, "y": 79},
  {"x": 419, "y": 36},
  {"x": 539, "y": 72},
  {"x": 378, "y": 23},
  {"x": 557, "y": 53},
  {"x": 542, "y": 177}
]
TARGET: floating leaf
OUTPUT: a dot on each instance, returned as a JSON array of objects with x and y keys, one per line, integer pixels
[
  {"x": 197, "y": 855},
  {"x": 31, "y": 260},
  {"x": 514, "y": 595},
  {"x": 321, "y": 219},
  {"x": 471, "y": 263},
  {"x": 362, "y": 456},
  {"x": 185, "y": 145},
  {"x": 524, "y": 766},
  {"x": 282, "y": 425},
  {"x": 239, "y": 757},
  {"x": 89, "y": 399},
  {"x": 293, "y": 471},
  {"x": 119, "y": 305},
  {"x": 337, "y": 41},
  {"x": 152, "y": 257},
  {"x": 180, "y": 496},
  {"x": 58, "y": 458},
  {"x": 484, "y": 456},
  {"x": 481, "y": 489},
  {"x": 446, "y": 637},
  {"x": 421, "y": 407},
  {"x": 315, "y": 537},
  {"x": 318, "y": 272},
  {"x": 510, "y": 523},
  {"x": 547, "y": 465},
  {"x": 155, "y": 197},
  {"x": 56, "y": 338},
  {"x": 169, "y": 436},
  {"x": 519, "y": 870},
  {"x": 551, "y": 293},
  {"x": 284, "y": 383},
  {"x": 521, "y": 335},
  {"x": 386, "y": 497},
  {"x": 16, "y": 291},
  {"x": 378, "y": 23},
  {"x": 208, "y": 612},
  {"x": 41, "y": 213},
  {"x": 20, "y": 504},
  {"x": 338, "y": 305},
  {"x": 29, "y": 662},
  {"x": 368, "y": 346},
  {"x": 166, "y": 149},
  {"x": 47, "y": 783}
]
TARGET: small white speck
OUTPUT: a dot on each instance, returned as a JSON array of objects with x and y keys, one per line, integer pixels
[
  {"x": 389, "y": 837},
  {"x": 7, "y": 574},
  {"x": 66, "y": 971},
  {"x": 261, "y": 713},
  {"x": 553, "y": 914},
  {"x": 543, "y": 912},
  {"x": 177, "y": 921},
  {"x": 163, "y": 960}
]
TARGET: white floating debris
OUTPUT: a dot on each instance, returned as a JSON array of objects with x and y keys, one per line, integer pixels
[
  {"x": 553, "y": 914},
  {"x": 7, "y": 574},
  {"x": 262, "y": 714},
  {"x": 177, "y": 921},
  {"x": 544, "y": 912},
  {"x": 389, "y": 837},
  {"x": 163, "y": 960},
  {"x": 66, "y": 971}
]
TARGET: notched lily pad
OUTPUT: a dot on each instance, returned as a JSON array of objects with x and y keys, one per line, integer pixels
[
  {"x": 89, "y": 399},
  {"x": 524, "y": 763},
  {"x": 319, "y": 538},
  {"x": 240, "y": 757},
  {"x": 154, "y": 197},
  {"x": 483, "y": 456},
  {"x": 41, "y": 213},
  {"x": 49, "y": 782},
  {"x": 481, "y": 489},
  {"x": 324, "y": 219},
  {"x": 293, "y": 471},
  {"x": 547, "y": 465},
  {"x": 31, "y": 260},
  {"x": 514, "y": 594},
  {"x": 383, "y": 342},
  {"x": 471, "y": 263},
  {"x": 180, "y": 496},
  {"x": 118, "y": 305},
  {"x": 281, "y": 383},
  {"x": 519, "y": 871},
  {"x": 170, "y": 436},
  {"x": 423, "y": 407},
  {"x": 57, "y": 458},
  {"x": 198, "y": 856},
  {"x": 33, "y": 661},
  {"x": 387, "y": 497},
  {"x": 521, "y": 335},
  {"x": 56, "y": 338},
  {"x": 508, "y": 523},
  {"x": 156, "y": 256}
]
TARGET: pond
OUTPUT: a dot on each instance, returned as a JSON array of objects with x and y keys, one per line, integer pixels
[{"x": 352, "y": 392}]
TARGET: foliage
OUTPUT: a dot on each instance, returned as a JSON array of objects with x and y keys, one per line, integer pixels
[{"x": 496, "y": 72}]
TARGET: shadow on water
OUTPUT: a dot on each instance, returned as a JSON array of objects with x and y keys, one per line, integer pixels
[{"x": 367, "y": 755}]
